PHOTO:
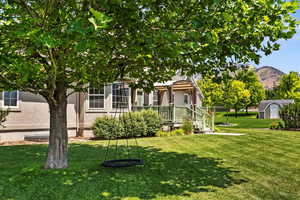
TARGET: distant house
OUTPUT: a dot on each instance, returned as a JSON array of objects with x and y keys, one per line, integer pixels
[{"x": 269, "y": 109}]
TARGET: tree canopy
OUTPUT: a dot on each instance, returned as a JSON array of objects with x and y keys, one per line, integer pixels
[
  {"x": 252, "y": 83},
  {"x": 236, "y": 95},
  {"x": 212, "y": 91},
  {"x": 289, "y": 87},
  {"x": 54, "y": 48}
]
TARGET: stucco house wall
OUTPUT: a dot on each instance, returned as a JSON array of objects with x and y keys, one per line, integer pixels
[{"x": 32, "y": 112}]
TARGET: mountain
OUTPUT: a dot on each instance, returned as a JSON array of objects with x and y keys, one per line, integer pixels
[{"x": 269, "y": 76}]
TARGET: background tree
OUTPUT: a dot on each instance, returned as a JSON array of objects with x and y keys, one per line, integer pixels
[
  {"x": 249, "y": 77},
  {"x": 236, "y": 96},
  {"x": 212, "y": 91},
  {"x": 289, "y": 87},
  {"x": 55, "y": 48},
  {"x": 272, "y": 94}
]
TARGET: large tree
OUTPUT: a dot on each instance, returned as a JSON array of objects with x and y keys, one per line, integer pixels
[
  {"x": 257, "y": 93},
  {"x": 212, "y": 91},
  {"x": 54, "y": 48},
  {"x": 236, "y": 96},
  {"x": 289, "y": 87}
]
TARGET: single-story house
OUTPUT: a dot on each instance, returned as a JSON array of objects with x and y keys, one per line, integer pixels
[
  {"x": 30, "y": 112},
  {"x": 269, "y": 109}
]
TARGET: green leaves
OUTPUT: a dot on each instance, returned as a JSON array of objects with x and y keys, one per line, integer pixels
[
  {"x": 48, "y": 41},
  {"x": 289, "y": 87},
  {"x": 94, "y": 42},
  {"x": 100, "y": 20}
]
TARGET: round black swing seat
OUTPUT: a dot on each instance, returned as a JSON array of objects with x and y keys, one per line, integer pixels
[{"x": 122, "y": 163}]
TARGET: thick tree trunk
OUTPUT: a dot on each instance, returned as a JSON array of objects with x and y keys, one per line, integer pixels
[{"x": 57, "y": 157}]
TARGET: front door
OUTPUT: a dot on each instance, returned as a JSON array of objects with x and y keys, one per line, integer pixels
[{"x": 274, "y": 111}]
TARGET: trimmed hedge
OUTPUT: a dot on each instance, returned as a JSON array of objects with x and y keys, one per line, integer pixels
[
  {"x": 135, "y": 124},
  {"x": 290, "y": 115}
]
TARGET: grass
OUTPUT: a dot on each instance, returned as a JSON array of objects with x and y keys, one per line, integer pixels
[
  {"x": 259, "y": 165},
  {"x": 243, "y": 120}
]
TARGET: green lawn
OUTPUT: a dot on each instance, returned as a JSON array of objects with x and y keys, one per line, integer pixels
[
  {"x": 260, "y": 165},
  {"x": 249, "y": 121}
]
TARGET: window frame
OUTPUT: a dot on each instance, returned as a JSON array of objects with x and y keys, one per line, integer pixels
[
  {"x": 3, "y": 99},
  {"x": 155, "y": 101},
  {"x": 112, "y": 96},
  {"x": 104, "y": 94}
]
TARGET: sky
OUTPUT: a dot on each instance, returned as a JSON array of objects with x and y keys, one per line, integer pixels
[{"x": 288, "y": 57}]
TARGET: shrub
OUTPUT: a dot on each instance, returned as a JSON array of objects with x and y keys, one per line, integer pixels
[
  {"x": 153, "y": 121},
  {"x": 134, "y": 124},
  {"x": 176, "y": 132},
  {"x": 277, "y": 125},
  {"x": 187, "y": 126},
  {"x": 160, "y": 133},
  {"x": 273, "y": 125},
  {"x": 107, "y": 127},
  {"x": 3, "y": 115},
  {"x": 290, "y": 115}
]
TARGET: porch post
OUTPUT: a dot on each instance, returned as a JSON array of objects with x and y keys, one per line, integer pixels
[
  {"x": 81, "y": 109},
  {"x": 171, "y": 102},
  {"x": 133, "y": 97},
  {"x": 194, "y": 101}
]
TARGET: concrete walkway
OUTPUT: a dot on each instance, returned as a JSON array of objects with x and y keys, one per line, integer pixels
[{"x": 20, "y": 135}]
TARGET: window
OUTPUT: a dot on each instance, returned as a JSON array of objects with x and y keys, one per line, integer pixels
[
  {"x": 120, "y": 95},
  {"x": 96, "y": 97},
  {"x": 155, "y": 98},
  {"x": 146, "y": 99},
  {"x": 10, "y": 99},
  {"x": 186, "y": 99}
]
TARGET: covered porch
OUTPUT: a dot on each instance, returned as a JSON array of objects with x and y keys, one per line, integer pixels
[{"x": 201, "y": 117}]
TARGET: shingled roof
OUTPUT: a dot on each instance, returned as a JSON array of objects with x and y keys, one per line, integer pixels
[{"x": 282, "y": 102}]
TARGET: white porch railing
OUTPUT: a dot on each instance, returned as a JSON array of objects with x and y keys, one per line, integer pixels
[{"x": 202, "y": 117}]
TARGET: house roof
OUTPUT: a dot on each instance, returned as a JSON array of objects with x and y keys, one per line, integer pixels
[{"x": 281, "y": 102}]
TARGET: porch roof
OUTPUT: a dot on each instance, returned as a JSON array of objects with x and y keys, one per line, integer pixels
[{"x": 176, "y": 85}]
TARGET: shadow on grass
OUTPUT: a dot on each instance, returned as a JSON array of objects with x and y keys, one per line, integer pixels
[{"x": 164, "y": 174}]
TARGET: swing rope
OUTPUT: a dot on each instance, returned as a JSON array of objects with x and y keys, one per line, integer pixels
[{"x": 124, "y": 109}]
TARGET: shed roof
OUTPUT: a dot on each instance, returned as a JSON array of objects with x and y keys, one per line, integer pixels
[{"x": 281, "y": 102}]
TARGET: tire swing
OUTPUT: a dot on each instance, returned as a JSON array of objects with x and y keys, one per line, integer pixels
[{"x": 118, "y": 155}]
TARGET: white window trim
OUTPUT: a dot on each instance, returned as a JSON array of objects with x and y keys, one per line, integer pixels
[
  {"x": 104, "y": 95},
  {"x": 18, "y": 99}
]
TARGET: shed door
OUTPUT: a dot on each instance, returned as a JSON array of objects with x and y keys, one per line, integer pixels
[{"x": 274, "y": 111}]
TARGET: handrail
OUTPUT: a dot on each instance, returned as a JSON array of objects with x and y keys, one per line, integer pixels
[{"x": 173, "y": 114}]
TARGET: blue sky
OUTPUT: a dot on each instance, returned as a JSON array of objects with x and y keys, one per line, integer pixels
[{"x": 288, "y": 57}]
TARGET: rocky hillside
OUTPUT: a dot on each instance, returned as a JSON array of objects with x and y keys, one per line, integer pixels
[{"x": 269, "y": 76}]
